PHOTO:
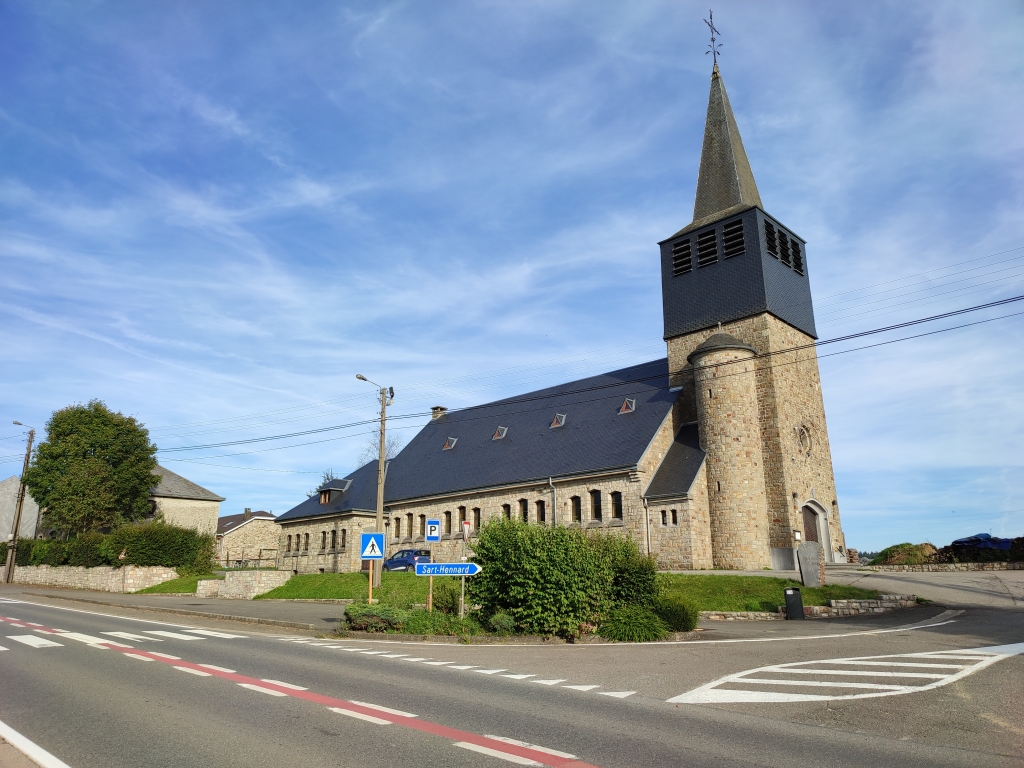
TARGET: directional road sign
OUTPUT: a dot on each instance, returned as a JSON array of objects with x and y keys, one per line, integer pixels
[
  {"x": 371, "y": 546},
  {"x": 433, "y": 530},
  {"x": 447, "y": 569}
]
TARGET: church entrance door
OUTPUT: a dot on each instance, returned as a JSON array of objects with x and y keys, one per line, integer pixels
[{"x": 810, "y": 525}]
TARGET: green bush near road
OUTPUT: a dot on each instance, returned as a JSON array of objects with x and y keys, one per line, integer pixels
[
  {"x": 749, "y": 593},
  {"x": 633, "y": 624},
  {"x": 677, "y": 614},
  {"x": 387, "y": 618},
  {"x": 397, "y": 589}
]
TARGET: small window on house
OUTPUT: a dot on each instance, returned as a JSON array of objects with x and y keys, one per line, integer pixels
[
  {"x": 462, "y": 517},
  {"x": 408, "y": 519},
  {"x": 305, "y": 546},
  {"x": 771, "y": 240},
  {"x": 288, "y": 546},
  {"x": 450, "y": 443},
  {"x": 499, "y": 433},
  {"x": 616, "y": 505},
  {"x": 334, "y": 539},
  {"x": 558, "y": 421},
  {"x": 524, "y": 510},
  {"x": 476, "y": 518},
  {"x": 732, "y": 239},
  {"x": 682, "y": 258},
  {"x": 628, "y": 405},
  {"x": 798, "y": 258},
  {"x": 707, "y": 248},
  {"x": 675, "y": 518},
  {"x": 595, "y": 505},
  {"x": 664, "y": 517},
  {"x": 448, "y": 523},
  {"x": 343, "y": 537},
  {"x": 323, "y": 540},
  {"x": 577, "y": 509},
  {"x": 325, "y": 497},
  {"x": 506, "y": 510},
  {"x": 423, "y": 525},
  {"x": 541, "y": 511},
  {"x": 784, "y": 254},
  {"x": 398, "y": 528}
]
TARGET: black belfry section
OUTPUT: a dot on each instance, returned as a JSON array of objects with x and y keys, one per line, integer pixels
[{"x": 733, "y": 260}]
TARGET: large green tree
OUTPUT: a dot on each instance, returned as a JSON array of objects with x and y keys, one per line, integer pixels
[{"x": 94, "y": 470}]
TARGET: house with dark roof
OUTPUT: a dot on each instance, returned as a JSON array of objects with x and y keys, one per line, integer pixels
[
  {"x": 248, "y": 539},
  {"x": 183, "y": 503},
  {"x": 715, "y": 456}
]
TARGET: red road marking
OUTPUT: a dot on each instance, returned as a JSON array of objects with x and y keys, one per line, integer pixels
[{"x": 418, "y": 724}]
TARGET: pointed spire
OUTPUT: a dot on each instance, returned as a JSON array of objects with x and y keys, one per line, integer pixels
[{"x": 725, "y": 180}]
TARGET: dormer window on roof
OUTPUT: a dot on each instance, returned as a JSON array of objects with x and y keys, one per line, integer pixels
[
  {"x": 450, "y": 443},
  {"x": 499, "y": 433},
  {"x": 628, "y": 405},
  {"x": 325, "y": 497},
  {"x": 558, "y": 421}
]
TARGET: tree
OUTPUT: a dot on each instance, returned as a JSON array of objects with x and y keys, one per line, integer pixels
[
  {"x": 371, "y": 451},
  {"x": 94, "y": 470},
  {"x": 326, "y": 477}
]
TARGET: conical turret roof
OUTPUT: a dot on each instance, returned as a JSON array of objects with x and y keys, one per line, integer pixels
[{"x": 725, "y": 180}]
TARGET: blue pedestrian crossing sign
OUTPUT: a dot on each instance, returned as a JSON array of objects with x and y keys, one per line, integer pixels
[
  {"x": 371, "y": 546},
  {"x": 433, "y": 530}
]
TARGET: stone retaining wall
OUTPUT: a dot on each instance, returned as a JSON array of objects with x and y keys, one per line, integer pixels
[
  {"x": 740, "y": 616},
  {"x": 938, "y": 567},
  {"x": 130, "y": 578},
  {"x": 835, "y": 608},
  {"x": 242, "y": 585}
]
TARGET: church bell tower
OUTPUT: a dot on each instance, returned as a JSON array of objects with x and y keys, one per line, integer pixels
[{"x": 739, "y": 325}]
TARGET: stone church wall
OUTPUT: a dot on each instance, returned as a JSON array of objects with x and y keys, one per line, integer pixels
[{"x": 189, "y": 513}]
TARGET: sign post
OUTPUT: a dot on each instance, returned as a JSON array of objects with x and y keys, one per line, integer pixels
[
  {"x": 433, "y": 533},
  {"x": 462, "y": 594},
  {"x": 371, "y": 547}
]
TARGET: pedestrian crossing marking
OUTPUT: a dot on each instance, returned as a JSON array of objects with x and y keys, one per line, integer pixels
[
  {"x": 34, "y": 641},
  {"x": 746, "y": 686},
  {"x": 211, "y": 633},
  {"x": 133, "y": 638},
  {"x": 173, "y": 635}
]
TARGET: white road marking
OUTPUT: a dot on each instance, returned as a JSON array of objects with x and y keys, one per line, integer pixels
[
  {"x": 193, "y": 671},
  {"x": 29, "y": 748},
  {"x": 518, "y": 677},
  {"x": 554, "y": 752},
  {"x": 90, "y": 640},
  {"x": 284, "y": 685},
  {"x": 437, "y": 663},
  {"x": 219, "y": 669},
  {"x": 744, "y": 687},
  {"x": 261, "y": 689},
  {"x": 548, "y": 682},
  {"x": 488, "y": 671},
  {"x": 465, "y": 666},
  {"x": 416, "y": 658},
  {"x": 496, "y": 753},
  {"x": 134, "y": 638},
  {"x": 355, "y": 650},
  {"x": 34, "y": 642},
  {"x": 47, "y": 631},
  {"x": 173, "y": 635},
  {"x": 139, "y": 656},
  {"x": 33, "y": 624},
  {"x": 372, "y": 653},
  {"x": 581, "y": 687},
  {"x": 211, "y": 633},
  {"x": 383, "y": 709},
  {"x": 165, "y": 656},
  {"x": 360, "y": 716},
  {"x": 616, "y": 694},
  {"x": 2, "y": 648},
  {"x": 392, "y": 655}
]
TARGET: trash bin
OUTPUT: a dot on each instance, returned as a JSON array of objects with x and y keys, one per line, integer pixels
[{"x": 794, "y": 604}]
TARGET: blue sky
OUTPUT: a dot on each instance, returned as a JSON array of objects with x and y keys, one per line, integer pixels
[{"x": 215, "y": 214}]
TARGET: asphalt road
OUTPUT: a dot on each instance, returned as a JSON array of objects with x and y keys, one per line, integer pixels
[{"x": 65, "y": 686}]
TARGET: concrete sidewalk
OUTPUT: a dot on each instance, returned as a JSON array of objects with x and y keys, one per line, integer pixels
[{"x": 960, "y": 589}]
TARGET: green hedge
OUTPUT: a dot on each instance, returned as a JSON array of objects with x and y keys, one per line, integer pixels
[{"x": 154, "y": 543}]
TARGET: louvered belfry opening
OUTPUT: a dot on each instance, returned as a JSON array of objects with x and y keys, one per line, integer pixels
[
  {"x": 707, "y": 248},
  {"x": 770, "y": 239},
  {"x": 798, "y": 258},
  {"x": 682, "y": 258},
  {"x": 784, "y": 255},
  {"x": 732, "y": 239}
]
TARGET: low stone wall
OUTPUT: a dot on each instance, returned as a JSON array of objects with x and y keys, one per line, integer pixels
[
  {"x": 939, "y": 567},
  {"x": 130, "y": 578},
  {"x": 740, "y": 616},
  {"x": 834, "y": 609},
  {"x": 242, "y": 585}
]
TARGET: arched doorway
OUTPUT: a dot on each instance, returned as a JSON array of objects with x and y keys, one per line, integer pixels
[{"x": 815, "y": 521}]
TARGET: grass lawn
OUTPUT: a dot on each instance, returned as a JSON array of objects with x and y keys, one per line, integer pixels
[
  {"x": 398, "y": 589},
  {"x": 751, "y": 593},
  {"x": 181, "y": 584}
]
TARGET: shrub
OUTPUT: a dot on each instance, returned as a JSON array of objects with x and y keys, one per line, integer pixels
[
  {"x": 376, "y": 618},
  {"x": 905, "y": 554},
  {"x": 502, "y": 624},
  {"x": 24, "y": 553},
  {"x": 679, "y": 616},
  {"x": 633, "y": 624},
  {"x": 435, "y": 623},
  {"x": 48, "y": 552},
  {"x": 86, "y": 551},
  {"x": 158, "y": 543},
  {"x": 446, "y": 595}
]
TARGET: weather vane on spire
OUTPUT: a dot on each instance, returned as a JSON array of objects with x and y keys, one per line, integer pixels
[{"x": 714, "y": 50}]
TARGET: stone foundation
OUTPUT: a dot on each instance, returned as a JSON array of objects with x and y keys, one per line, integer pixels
[
  {"x": 836, "y": 608},
  {"x": 242, "y": 585},
  {"x": 130, "y": 578},
  {"x": 940, "y": 567}
]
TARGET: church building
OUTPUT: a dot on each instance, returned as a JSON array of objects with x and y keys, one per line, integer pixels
[{"x": 716, "y": 456}]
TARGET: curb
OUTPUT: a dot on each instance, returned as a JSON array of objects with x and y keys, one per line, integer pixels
[{"x": 182, "y": 612}]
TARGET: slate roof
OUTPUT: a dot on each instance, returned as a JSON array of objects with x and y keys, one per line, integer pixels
[
  {"x": 679, "y": 468},
  {"x": 174, "y": 486},
  {"x": 228, "y": 523},
  {"x": 718, "y": 341},
  {"x": 595, "y": 437}
]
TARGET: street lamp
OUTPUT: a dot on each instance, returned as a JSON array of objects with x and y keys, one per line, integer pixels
[
  {"x": 387, "y": 396},
  {"x": 12, "y": 548}
]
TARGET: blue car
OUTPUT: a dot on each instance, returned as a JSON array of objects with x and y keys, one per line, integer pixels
[{"x": 406, "y": 560}]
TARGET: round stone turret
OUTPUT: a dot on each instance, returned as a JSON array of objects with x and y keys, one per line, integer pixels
[{"x": 724, "y": 378}]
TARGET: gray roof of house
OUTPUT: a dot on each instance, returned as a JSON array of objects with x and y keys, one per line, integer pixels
[
  {"x": 596, "y": 437},
  {"x": 174, "y": 486},
  {"x": 228, "y": 523},
  {"x": 680, "y": 466}
]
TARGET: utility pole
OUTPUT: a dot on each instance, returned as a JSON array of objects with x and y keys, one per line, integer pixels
[
  {"x": 12, "y": 544},
  {"x": 387, "y": 396}
]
